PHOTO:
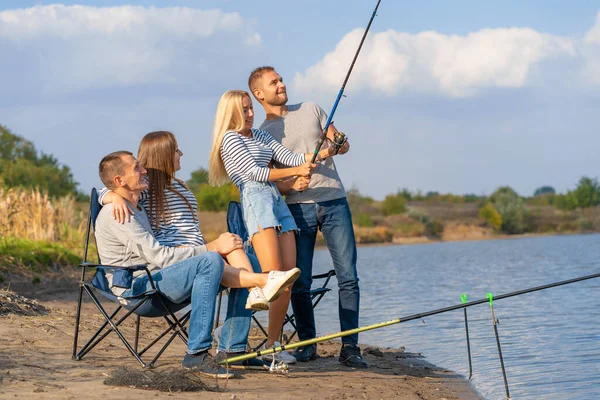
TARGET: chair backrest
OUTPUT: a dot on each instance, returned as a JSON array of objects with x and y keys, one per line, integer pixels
[
  {"x": 236, "y": 224},
  {"x": 95, "y": 208},
  {"x": 235, "y": 220}
]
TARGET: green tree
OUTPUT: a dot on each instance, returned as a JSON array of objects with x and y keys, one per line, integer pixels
[
  {"x": 199, "y": 177},
  {"x": 544, "y": 190},
  {"x": 587, "y": 193},
  {"x": 211, "y": 198},
  {"x": 515, "y": 217},
  {"x": 504, "y": 190},
  {"x": 565, "y": 202},
  {"x": 22, "y": 166}
]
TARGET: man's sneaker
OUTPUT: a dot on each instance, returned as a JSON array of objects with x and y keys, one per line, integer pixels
[
  {"x": 278, "y": 281},
  {"x": 350, "y": 357},
  {"x": 257, "y": 300},
  {"x": 204, "y": 364},
  {"x": 252, "y": 363},
  {"x": 306, "y": 353},
  {"x": 279, "y": 357}
]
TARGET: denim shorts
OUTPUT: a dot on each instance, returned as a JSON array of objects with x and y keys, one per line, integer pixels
[{"x": 264, "y": 208}]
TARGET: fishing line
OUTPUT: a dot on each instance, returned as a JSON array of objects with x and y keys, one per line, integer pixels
[{"x": 340, "y": 139}]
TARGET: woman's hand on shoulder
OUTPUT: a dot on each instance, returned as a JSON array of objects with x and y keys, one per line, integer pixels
[{"x": 121, "y": 209}]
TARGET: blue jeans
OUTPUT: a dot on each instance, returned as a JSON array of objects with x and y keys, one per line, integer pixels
[
  {"x": 234, "y": 334},
  {"x": 334, "y": 220},
  {"x": 197, "y": 277}
]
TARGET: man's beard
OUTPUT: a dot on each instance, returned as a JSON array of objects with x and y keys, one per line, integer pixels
[{"x": 278, "y": 101}]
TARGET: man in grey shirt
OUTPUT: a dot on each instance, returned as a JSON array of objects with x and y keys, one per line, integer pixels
[{"x": 316, "y": 204}]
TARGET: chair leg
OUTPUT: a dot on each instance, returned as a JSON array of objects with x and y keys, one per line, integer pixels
[
  {"x": 137, "y": 333},
  {"x": 114, "y": 327},
  {"x": 77, "y": 319},
  {"x": 263, "y": 331},
  {"x": 218, "y": 310}
]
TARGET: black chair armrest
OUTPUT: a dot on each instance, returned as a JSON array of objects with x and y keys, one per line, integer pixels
[
  {"x": 132, "y": 268},
  {"x": 137, "y": 267},
  {"x": 328, "y": 274}
]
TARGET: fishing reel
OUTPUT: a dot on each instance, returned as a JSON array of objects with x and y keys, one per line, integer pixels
[{"x": 339, "y": 139}]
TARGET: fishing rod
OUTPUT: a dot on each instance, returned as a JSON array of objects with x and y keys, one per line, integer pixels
[
  {"x": 349, "y": 332},
  {"x": 340, "y": 139}
]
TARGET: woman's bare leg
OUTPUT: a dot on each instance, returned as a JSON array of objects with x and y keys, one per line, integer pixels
[
  {"x": 266, "y": 247},
  {"x": 239, "y": 259},
  {"x": 276, "y": 254},
  {"x": 240, "y": 278}
]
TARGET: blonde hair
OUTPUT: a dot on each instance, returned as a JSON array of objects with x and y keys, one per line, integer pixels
[{"x": 229, "y": 117}]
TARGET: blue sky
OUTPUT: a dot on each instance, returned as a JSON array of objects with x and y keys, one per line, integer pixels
[{"x": 458, "y": 97}]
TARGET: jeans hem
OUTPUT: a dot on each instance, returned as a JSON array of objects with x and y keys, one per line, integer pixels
[
  {"x": 193, "y": 352},
  {"x": 232, "y": 350}
]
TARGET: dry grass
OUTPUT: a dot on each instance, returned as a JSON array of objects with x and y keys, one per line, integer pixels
[
  {"x": 31, "y": 214},
  {"x": 212, "y": 224}
]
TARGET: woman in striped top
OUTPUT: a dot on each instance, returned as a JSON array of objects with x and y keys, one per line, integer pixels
[
  {"x": 172, "y": 208},
  {"x": 245, "y": 156}
]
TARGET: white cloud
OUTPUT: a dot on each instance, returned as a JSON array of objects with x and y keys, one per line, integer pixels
[
  {"x": 591, "y": 51},
  {"x": 73, "y": 48},
  {"x": 431, "y": 62}
]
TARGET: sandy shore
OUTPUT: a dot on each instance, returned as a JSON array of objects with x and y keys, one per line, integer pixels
[{"x": 35, "y": 362}]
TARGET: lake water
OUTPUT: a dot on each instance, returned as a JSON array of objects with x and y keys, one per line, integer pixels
[{"x": 550, "y": 339}]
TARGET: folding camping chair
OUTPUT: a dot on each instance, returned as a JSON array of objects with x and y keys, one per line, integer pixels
[
  {"x": 235, "y": 224},
  {"x": 150, "y": 304}
]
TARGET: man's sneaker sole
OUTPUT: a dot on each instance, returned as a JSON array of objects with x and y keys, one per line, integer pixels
[{"x": 291, "y": 278}]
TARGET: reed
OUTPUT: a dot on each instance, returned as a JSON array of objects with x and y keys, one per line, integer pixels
[{"x": 32, "y": 214}]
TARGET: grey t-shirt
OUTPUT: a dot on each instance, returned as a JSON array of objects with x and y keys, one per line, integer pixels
[{"x": 300, "y": 130}]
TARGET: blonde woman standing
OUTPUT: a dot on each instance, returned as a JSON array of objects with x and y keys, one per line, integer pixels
[{"x": 244, "y": 155}]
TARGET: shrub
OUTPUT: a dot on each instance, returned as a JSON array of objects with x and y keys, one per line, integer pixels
[
  {"x": 585, "y": 225},
  {"x": 434, "y": 229},
  {"x": 565, "y": 202},
  {"x": 211, "y": 198},
  {"x": 491, "y": 216},
  {"x": 356, "y": 201},
  {"x": 363, "y": 219},
  {"x": 393, "y": 204},
  {"x": 373, "y": 235},
  {"x": 515, "y": 218}
]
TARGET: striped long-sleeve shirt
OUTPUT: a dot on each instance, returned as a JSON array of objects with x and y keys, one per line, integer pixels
[
  {"x": 181, "y": 227},
  {"x": 247, "y": 159}
]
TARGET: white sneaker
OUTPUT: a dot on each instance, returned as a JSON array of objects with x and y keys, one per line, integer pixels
[
  {"x": 279, "y": 357},
  {"x": 278, "y": 281},
  {"x": 257, "y": 300}
]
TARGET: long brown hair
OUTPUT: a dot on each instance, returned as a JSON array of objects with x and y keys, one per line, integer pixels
[{"x": 156, "y": 154}]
